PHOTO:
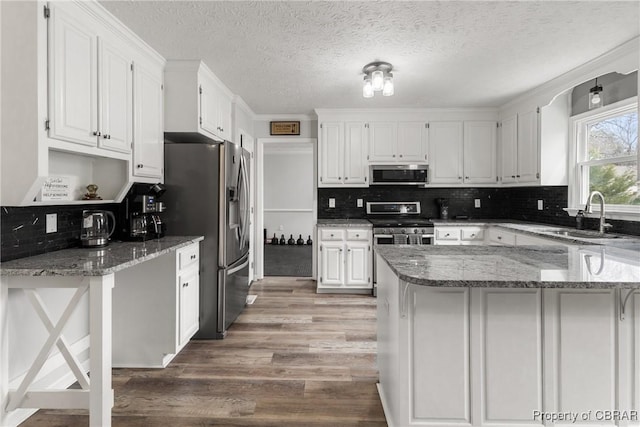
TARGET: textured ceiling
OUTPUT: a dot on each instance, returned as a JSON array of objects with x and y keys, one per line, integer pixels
[{"x": 292, "y": 57}]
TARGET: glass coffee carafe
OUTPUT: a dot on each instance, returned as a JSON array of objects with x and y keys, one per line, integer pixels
[{"x": 95, "y": 230}]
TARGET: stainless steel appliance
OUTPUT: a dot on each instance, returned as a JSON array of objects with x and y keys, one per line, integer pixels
[
  {"x": 142, "y": 218},
  {"x": 95, "y": 231},
  {"x": 397, "y": 223},
  {"x": 208, "y": 194},
  {"x": 398, "y": 174}
]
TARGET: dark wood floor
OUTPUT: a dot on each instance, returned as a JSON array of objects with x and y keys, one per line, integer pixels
[{"x": 293, "y": 358}]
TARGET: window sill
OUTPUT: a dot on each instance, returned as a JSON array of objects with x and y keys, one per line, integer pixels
[{"x": 624, "y": 214}]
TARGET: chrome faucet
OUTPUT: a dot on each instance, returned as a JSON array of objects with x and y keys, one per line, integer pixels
[{"x": 589, "y": 209}]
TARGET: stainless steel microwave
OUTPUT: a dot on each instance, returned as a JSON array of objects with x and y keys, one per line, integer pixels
[{"x": 398, "y": 174}]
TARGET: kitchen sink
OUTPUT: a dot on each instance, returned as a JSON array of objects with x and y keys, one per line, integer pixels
[{"x": 583, "y": 234}]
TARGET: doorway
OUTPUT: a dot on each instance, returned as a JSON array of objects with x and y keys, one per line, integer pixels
[{"x": 286, "y": 206}]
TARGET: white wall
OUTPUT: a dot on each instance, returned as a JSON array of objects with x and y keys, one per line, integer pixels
[{"x": 288, "y": 189}]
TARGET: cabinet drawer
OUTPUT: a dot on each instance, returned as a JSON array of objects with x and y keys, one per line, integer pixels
[
  {"x": 503, "y": 238},
  {"x": 447, "y": 233},
  {"x": 188, "y": 256},
  {"x": 472, "y": 233},
  {"x": 357, "y": 235},
  {"x": 331, "y": 234}
]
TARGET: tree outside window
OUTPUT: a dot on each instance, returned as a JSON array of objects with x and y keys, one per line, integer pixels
[{"x": 610, "y": 157}]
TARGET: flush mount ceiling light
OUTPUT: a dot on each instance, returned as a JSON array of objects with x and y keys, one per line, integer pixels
[
  {"x": 595, "y": 96},
  {"x": 377, "y": 77}
]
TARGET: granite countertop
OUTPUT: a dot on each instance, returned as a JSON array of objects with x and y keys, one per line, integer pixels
[
  {"x": 589, "y": 266},
  {"x": 97, "y": 261},
  {"x": 342, "y": 223}
]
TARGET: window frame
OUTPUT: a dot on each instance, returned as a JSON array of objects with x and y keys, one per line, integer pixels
[{"x": 578, "y": 186}]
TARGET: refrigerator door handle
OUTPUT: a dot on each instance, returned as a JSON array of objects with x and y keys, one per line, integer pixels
[
  {"x": 238, "y": 268},
  {"x": 245, "y": 182}
]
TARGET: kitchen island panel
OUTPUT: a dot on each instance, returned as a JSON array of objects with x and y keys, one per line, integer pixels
[{"x": 439, "y": 354}]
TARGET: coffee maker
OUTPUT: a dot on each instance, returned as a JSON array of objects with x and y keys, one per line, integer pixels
[{"x": 142, "y": 216}]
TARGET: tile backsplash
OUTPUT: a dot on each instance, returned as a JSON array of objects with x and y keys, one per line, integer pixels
[
  {"x": 23, "y": 231},
  {"x": 519, "y": 203}
]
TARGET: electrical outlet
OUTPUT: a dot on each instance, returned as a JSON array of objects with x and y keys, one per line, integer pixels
[
  {"x": 359, "y": 203},
  {"x": 540, "y": 205},
  {"x": 52, "y": 223},
  {"x": 476, "y": 203},
  {"x": 332, "y": 203}
]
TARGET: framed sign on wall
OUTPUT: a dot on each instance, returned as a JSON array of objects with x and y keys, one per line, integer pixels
[{"x": 285, "y": 128}]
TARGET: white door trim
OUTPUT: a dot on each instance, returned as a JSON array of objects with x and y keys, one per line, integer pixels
[{"x": 259, "y": 213}]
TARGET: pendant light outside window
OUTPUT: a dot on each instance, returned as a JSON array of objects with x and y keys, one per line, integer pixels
[
  {"x": 595, "y": 96},
  {"x": 377, "y": 78}
]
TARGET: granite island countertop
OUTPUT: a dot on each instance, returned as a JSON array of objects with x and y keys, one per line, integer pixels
[
  {"x": 344, "y": 223},
  {"x": 589, "y": 266},
  {"x": 95, "y": 261}
]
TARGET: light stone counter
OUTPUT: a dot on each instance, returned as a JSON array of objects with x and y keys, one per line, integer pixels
[
  {"x": 344, "y": 223},
  {"x": 95, "y": 261},
  {"x": 589, "y": 266}
]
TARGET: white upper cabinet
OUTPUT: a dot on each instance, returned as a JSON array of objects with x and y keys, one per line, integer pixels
[
  {"x": 331, "y": 157},
  {"x": 355, "y": 153},
  {"x": 116, "y": 97},
  {"x": 397, "y": 142},
  {"x": 196, "y": 101},
  {"x": 383, "y": 141},
  {"x": 67, "y": 73},
  {"x": 412, "y": 142},
  {"x": 480, "y": 152},
  {"x": 528, "y": 146},
  {"x": 509, "y": 149},
  {"x": 445, "y": 152},
  {"x": 148, "y": 143},
  {"x": 342, "y": 153},
  {"x": 73, "y": 69},
  {"x": 91, "y": 98}
]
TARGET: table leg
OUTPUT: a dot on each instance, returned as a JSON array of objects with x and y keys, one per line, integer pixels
[{"x": 101, "y": 395}]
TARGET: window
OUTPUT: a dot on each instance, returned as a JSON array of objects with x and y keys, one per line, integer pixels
[{"x": 606, "y": 157}]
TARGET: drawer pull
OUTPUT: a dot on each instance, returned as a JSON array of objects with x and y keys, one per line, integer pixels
[
  {"x": 357, "y": 235},
  {"x": 185, "y": 284},
  {"x": 473, "y": 235},
  {"x": 193, "y": 257},
  {"x": 499, "y": 237},
  {"x": 446, "y": 235}
]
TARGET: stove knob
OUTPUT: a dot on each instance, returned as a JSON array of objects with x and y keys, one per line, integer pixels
[
  {"x": 403, "y": 231},
  {"x": 415, "y": 231}
]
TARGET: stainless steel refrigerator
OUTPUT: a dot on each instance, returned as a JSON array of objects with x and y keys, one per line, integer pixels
[{"x": 207, "y": 193}]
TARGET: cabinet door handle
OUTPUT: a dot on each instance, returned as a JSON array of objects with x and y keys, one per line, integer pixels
[
  {"x": 193, "y": 257},
  {"x": 400, "y": 155},
  {"x": 517, "y": 176},
  {"x": 446, "y": 235},
  {"x": 346, "y": 178},
  {"x": 459, "y": 177},
  {"x": 393, "y": 155},
  {"x": 185, "y": 284},
  {"x": 473, "y": 235},
  {"x": 513, "y": 176},
  {"x": 97, "y": 133},
  {"x": 499, "y": 237},
  {"x": 139, "y": 165},
  {"x": 339, "y": 178},
  {"x": 466, "y": 177}
]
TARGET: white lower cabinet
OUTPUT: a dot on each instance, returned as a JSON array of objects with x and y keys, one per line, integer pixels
[
  {"x": 158, "y": 309},
  {"x": 453, "y": 235},
  {"x": 494, "y": 356},
  {"x": 344, "y": 260}
]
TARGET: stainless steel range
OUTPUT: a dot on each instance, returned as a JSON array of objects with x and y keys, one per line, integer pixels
[{"x": 397, "y": 223}]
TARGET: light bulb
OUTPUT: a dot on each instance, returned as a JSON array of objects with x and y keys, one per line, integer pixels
[
  {"x": 387, "y": 89},
  {"x": 377, "y": 77},
  {"x": 367, "y": 88},
  {"x": 595, "y": 99}
]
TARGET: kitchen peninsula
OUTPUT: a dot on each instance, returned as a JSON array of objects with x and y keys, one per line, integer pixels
[
  {"x": 111, "y": 297},
  {"x": 487, "y": 335}
]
